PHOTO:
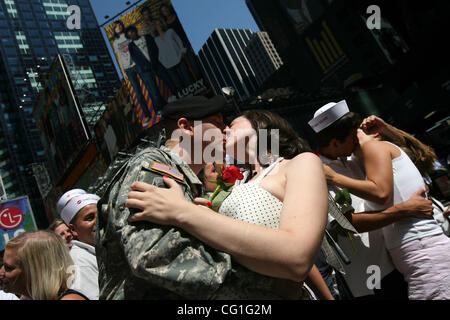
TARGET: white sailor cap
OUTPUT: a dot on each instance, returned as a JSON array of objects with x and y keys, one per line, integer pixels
[
  {"x": 328, "y": 114},
  {"x": 66, "y": 197},
  {"x": 76, "y": 204}
]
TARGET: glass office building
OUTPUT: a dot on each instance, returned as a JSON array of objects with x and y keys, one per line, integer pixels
[
  {"x": 225, "y": 63},
  {"x": 32, "y": 33}
]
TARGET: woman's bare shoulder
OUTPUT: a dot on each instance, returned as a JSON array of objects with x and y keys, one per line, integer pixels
[
  {"x": 303, "y": 161},
  {"x": 72, "y": 296},
  {"x": 305, "y": 157}
]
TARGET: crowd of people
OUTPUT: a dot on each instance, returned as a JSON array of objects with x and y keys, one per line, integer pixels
[{"x": 151, "y": 231}]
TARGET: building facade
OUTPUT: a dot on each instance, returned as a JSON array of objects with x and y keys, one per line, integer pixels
[
  {"x": 263, "y": 56},
  {"x": 389, "y": 70},
  {"x": 32, "y": 33},
  {"x": 225, "y": 63}
]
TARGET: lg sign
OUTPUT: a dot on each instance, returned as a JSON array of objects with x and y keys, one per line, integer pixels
[{"x": 10, "y": 218}]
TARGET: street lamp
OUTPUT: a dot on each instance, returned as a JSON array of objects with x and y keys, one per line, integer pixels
[{"x": 230, "y": 92}]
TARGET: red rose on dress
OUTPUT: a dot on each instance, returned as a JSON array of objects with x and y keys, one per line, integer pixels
[
  {"x": 231, "y": 174},
  {"x": 226, "y": 179}
]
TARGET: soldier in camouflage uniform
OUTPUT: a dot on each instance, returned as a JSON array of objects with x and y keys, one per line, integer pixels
[{"x": 148, "y": 261}]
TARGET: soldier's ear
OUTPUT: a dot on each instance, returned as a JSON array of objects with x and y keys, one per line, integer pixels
[{"x": 185, "y": 125}]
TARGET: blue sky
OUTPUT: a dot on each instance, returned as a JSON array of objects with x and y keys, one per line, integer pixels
[{"x": 199, "y": 17}]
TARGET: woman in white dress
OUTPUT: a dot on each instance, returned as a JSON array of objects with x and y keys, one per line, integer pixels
[
  {"x": 418, "y": 247},
  {"x": 273, "y": 225}
]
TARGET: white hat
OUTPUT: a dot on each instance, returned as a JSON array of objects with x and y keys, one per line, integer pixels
[
  {"x": 77, "y": 203},
  {"x": 328, "y": 114},
  {"x": 66, "y": 198}
]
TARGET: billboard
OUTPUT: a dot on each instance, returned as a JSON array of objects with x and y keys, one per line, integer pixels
[
  {"x": 59, "y": 120},
  {"x": 301, "y": 13},
  {"x": 96, "y": 169},
  {"x": 16, "y": 217},
  {"x": 3, "y": 195},
  {"x": 118, "y": 127},
  {"x": 155, "y": 57}
]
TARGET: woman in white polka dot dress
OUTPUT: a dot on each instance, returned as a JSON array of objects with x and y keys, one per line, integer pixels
[{"x": 274, "y": 224}]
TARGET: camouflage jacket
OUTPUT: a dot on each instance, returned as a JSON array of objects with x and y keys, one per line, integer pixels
[{"x": 148, "y": 261}]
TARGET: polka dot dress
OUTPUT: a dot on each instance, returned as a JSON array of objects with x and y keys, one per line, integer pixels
[{"x": 251, "y": 203}]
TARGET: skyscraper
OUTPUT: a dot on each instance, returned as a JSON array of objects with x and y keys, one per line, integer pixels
[
  {"x": 32, "y": 33},
  {"x": 263, "y": 56},
  {"x": 225, "y": 63}
]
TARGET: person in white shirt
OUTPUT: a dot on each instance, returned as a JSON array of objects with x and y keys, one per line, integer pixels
[
  {"x": 79, "y": 214},
  {"x": 171, "y": 53},
  {"x": 337, "y": 142},
  {"x": 418, "y": 247},
  {"x": 7, "y": 296}
]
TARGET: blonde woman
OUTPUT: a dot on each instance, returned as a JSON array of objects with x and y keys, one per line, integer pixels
[{"x": 37, "y": 266}]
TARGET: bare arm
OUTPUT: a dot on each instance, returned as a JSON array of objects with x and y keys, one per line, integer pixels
[
  {"x": 376, "y": 125},
  {"x": 379, "y": 184},
  {"x": 288, "y": 252},
  {"x": 317, "y": 284},
  {"x": 416, "y": 206}
]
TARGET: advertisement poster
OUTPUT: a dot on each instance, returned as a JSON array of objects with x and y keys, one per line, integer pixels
[
  {"x": 95, "y": 170},
  {"x": 118, "y": 127},
  {"x": 2, "y": 190},
  {"x": 155, "y": 57},
  {"x": 16, "y": 217},
  {"x": 59, "y": 120},
  {"x": 302, "y": 13}
]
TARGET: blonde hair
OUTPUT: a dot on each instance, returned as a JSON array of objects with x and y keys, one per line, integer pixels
[{"x": 45, "y": 261}]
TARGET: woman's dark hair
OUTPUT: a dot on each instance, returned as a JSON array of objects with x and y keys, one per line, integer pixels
[
  {"x": 339, "y": 130},
  {"x": 165, "y": 6},
  {"x": 116, "y": 35},
  {"x": 131, "y": 28},
  {"x": 163, "y": 24},
  {"x": 145, "y": 9},
  {"x": 422, "y": 156},
  {"x": 290, "y": 144}
]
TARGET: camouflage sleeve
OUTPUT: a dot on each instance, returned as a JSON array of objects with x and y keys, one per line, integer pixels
[{"x": 162, "y": 256}]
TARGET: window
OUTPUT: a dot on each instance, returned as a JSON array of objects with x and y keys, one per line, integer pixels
[
  {"x": 22, "y": 42},
  {"x": 27, "y": 15},
  {"x": 44, "y": 25},
  {"x": 56, "y": 10},
  {"x": 11, "y": 8},
  {"x": 12, "y": 60}
]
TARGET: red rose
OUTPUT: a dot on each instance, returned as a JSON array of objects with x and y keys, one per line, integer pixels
[{"x": 231, "y": 174}]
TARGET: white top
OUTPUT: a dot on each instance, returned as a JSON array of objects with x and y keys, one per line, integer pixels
[
  {"x": 407, "y": 180},
  {"x": 251, "y": 203},
  {"x": 123, "y": 54},
  {"x": 7, "y": 296},
  {"x": 86, "y": 282},
  {"x": 370, "y": 248},
  {"x": 170, "y": 49}
]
